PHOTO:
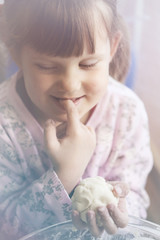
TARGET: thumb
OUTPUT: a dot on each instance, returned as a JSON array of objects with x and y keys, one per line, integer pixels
[
  {"x": 50, "y": 139},
  {"x": 120, "y": 189}
]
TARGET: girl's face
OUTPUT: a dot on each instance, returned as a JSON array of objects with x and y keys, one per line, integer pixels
[{"x": 48, "y": 80}]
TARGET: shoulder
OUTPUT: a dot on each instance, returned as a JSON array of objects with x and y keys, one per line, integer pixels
[
  {"x": 123, "y": 98},
  {"x": 122, "y": 92},
  {"x": 7, "y": 88},
  {"x": 4, "y": 90},
  {"x": 8, "y": 111},
  {"x": 119, "y": 107}
]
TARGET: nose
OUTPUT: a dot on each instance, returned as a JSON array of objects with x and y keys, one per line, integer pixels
[{"x": 70, "y": 80}]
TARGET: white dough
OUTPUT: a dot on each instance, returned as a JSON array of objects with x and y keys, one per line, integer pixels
[{"x": 92, "y": 193}]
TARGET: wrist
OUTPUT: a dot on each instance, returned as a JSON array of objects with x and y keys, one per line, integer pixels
[{"x": 69, "y": 180}]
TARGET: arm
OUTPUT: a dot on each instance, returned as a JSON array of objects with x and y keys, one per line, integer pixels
[
  {"x": 129, "y": 161},
  {"x": 132, "y": 156},
  {"x": 27, "y": 205}
]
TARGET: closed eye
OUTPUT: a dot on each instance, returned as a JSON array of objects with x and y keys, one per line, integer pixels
[
  {"x": 88, "y": 65},
  {"x": 46, "y": 68}
]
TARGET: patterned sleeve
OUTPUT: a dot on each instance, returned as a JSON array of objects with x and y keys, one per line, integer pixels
[
  {"x": 27, "y": 205},
  {"x": 131, "y": 157}
]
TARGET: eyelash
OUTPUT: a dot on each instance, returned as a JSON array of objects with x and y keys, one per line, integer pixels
[
  {"x": 46, "y": 68},
  {"x": 54, "y": 68},
  {"x": 88, "y": 66}
]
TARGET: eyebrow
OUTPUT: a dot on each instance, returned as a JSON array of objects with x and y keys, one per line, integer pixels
[{"x": 99, "y": 56}]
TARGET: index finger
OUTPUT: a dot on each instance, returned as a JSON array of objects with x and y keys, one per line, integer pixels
[{"x": 73, "y": 120}]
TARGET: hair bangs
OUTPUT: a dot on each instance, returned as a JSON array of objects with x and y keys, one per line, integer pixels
[{"x": 56, "y": 30}]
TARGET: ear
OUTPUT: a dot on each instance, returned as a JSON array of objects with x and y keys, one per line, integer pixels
[{"x": 114, "y": 44}]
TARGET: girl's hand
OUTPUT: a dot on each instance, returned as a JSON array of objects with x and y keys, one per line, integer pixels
[
  {"x": 111, "y": 216},
  {"x": 73, "y": 150}
]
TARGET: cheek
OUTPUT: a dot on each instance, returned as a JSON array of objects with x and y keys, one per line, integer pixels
[
  {"x": 98, "y": 80},
  {"x": 35, "y": 90},
  {"x": 33, "y": 79},
  {"x": 97, "y": 84},
  {"x": 36, "y": 84},
  {"x": 32, "y": 86}
]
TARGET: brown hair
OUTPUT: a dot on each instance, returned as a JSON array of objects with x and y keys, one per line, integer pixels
[{"x": 64, "y": 28}]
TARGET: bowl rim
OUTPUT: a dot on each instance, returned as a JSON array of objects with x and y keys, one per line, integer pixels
[{"x": 134, "y": 222}]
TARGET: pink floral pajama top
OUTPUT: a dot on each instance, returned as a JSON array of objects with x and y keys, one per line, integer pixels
[{"x": 32, "y": 196}]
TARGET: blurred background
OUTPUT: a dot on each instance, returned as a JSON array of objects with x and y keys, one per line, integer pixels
[{"x": 143, "y": 20}]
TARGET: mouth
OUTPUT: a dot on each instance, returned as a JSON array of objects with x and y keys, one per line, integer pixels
[{"x": 76, "y": 101}]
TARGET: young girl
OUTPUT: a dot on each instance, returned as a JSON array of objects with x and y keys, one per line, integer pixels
[{"x": 64, "y": 118}]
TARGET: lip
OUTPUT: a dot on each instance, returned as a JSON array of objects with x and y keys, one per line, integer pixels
[{"x": 59, "y": 100}]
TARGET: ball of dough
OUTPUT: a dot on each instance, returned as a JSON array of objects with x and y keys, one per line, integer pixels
[{"x": 92, "y": 193}]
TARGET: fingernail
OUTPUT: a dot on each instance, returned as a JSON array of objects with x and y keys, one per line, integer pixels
[
  {"x": 75, "y": 213},
  {"x": 101, "y": 209},
  {"x": 118, "y": 190},
  {"x": 48, "y": 123},
  {"x": 90, "y": 215}
]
